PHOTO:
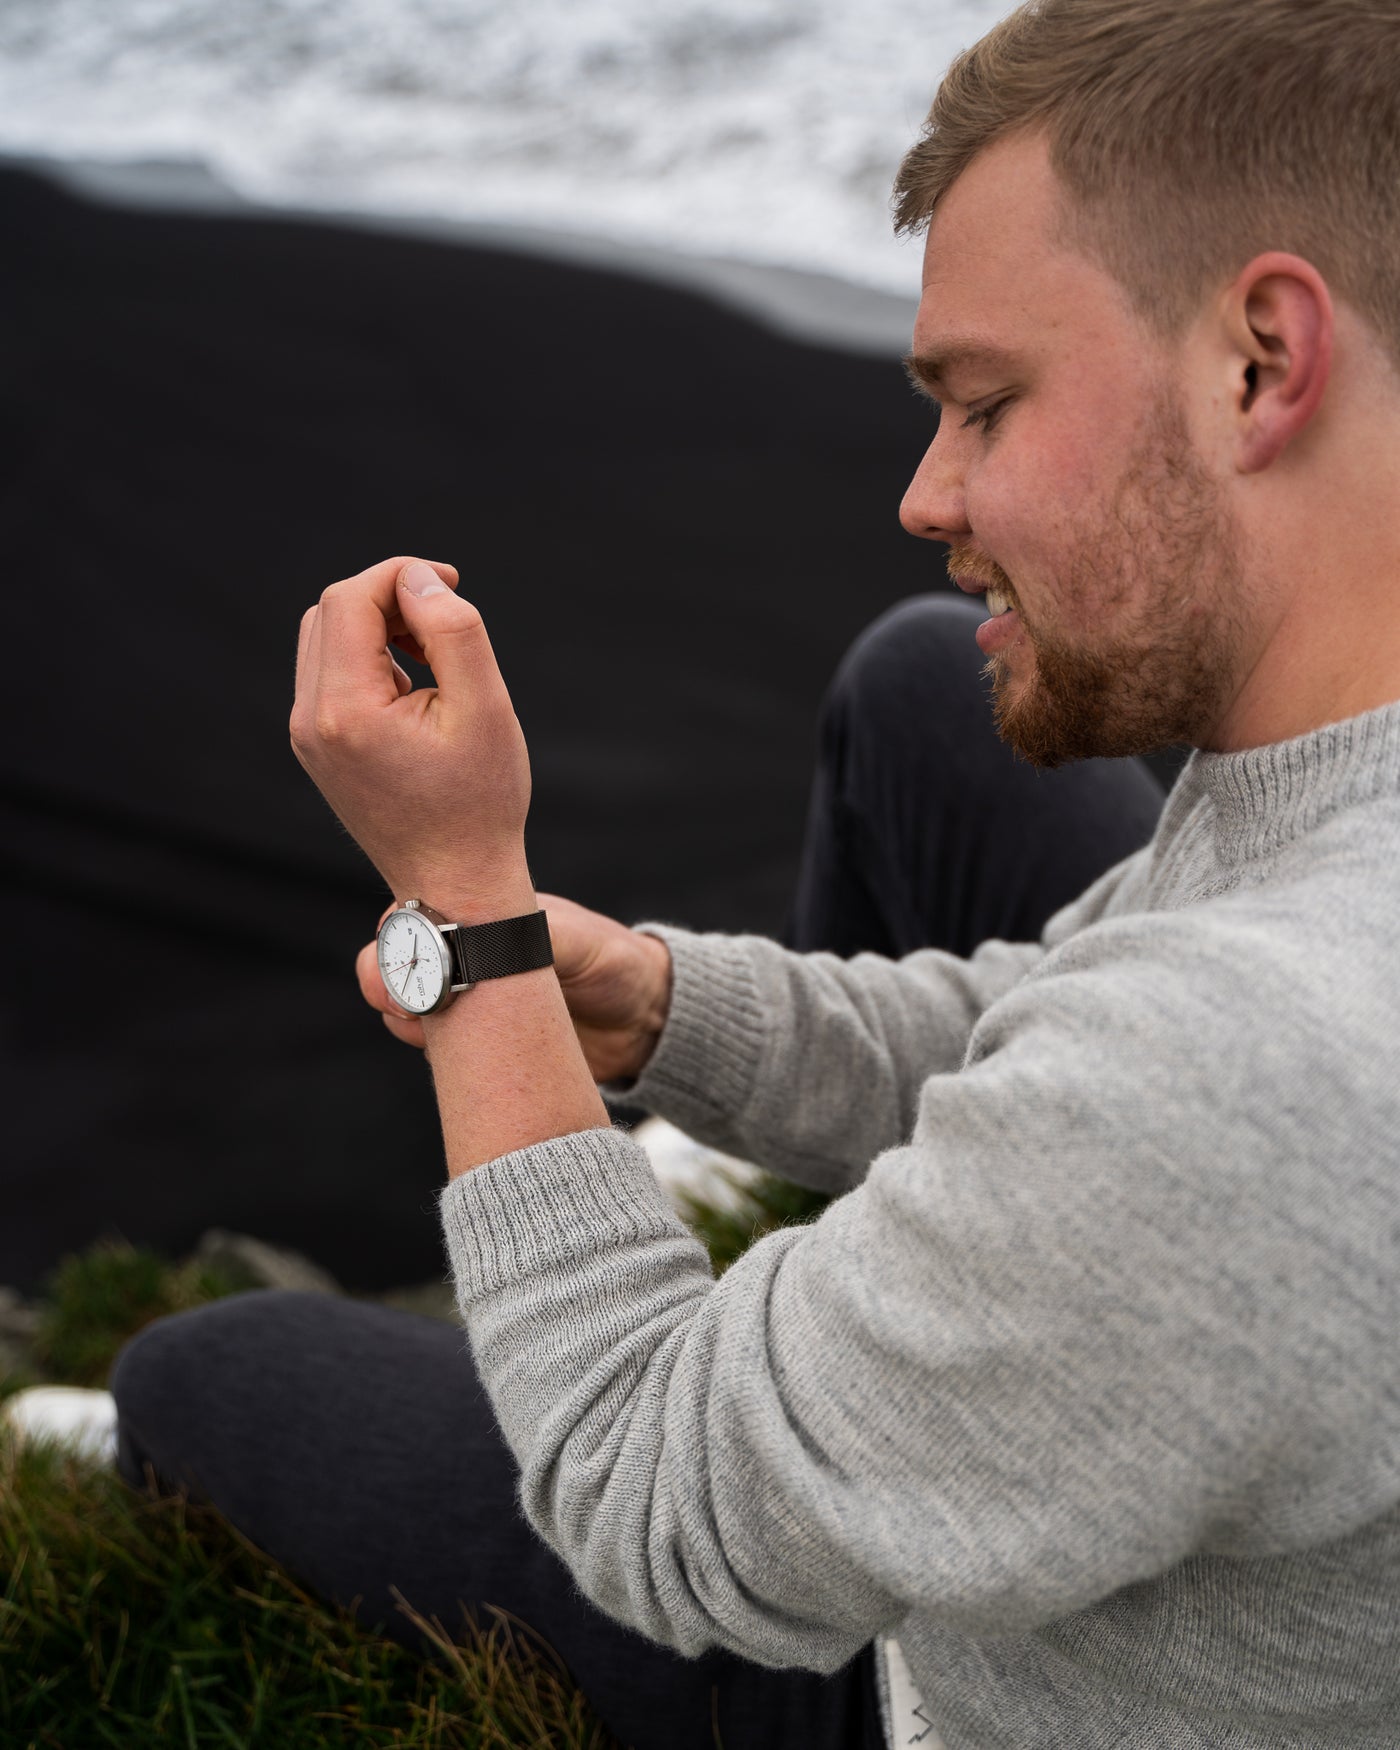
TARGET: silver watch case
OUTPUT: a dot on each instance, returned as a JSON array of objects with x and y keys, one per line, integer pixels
[{"x": 412, "y": 909}]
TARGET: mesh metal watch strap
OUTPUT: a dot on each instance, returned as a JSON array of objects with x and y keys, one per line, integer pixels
[{"x": 498, "y": 949}]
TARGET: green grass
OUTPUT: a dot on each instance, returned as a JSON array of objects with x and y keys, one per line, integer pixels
[
  {"x": 132, "y": 1620},
  {"x": 96, "y": 1302},
  {"x": 136, "y": 1621}
]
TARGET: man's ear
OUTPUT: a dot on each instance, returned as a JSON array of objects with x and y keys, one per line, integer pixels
[{"x": 1280, "y": 320}]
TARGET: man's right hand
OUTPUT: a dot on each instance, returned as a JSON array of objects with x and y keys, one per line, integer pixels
[{"x": 616, "y": 983}]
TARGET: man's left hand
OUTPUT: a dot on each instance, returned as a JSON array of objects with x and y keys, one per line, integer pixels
[{"x": 433, "y": 784}]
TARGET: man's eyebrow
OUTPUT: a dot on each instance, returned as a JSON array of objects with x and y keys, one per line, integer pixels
[{"x": 929, "y": 371}]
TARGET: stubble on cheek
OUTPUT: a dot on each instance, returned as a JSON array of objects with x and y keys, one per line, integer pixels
[{"x": 1146, "y": 651}]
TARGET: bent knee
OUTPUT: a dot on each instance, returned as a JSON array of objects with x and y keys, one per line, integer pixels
[
  {"x": 165, "y": 1380},
  {"x": 922, "y": 648}
]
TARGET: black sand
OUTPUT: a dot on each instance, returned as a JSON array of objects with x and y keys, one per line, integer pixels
[{"x": 673, "y": 520}]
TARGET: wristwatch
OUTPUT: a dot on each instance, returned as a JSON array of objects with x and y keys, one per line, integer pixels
[{"x": 424, "y": 960}]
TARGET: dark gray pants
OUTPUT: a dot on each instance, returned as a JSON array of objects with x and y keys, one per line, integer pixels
[{"x": 355, "y": 1444}]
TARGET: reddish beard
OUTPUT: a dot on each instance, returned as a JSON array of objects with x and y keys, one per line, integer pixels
[{"x": 1163, "y": 580}]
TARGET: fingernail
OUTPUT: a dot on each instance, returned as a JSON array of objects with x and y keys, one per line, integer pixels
[{"x": 421, "y": 579}]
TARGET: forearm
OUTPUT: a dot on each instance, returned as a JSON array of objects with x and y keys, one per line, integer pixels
[
  {"x": 588, "y": 1308},
  {"x": 812, "y": 1065},
  {"x": 506, "y": 1063},
  {"x": 807, "y": 1064}
]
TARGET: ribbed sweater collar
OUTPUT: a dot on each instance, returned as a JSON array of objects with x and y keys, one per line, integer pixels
[{"x": 1262, "y": 797}]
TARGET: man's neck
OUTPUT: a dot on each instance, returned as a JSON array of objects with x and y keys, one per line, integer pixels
[{"x": 1353, "y": 668}]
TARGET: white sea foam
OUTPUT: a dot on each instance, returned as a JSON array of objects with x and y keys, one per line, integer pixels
[{"x": 761, "y": 130}]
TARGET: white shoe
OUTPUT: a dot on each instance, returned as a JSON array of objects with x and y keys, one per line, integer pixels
[
  {"x": 83, "y": 1421},
  {"x": 687, "y": 1168}
]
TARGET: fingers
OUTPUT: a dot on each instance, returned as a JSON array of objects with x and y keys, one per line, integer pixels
[
  {"x": 308, "y": 668},
  {"x": 409, "y": 1031},
  {"x": 415, "y": 775},
  {"x": 308, "y": 654},
  {"x": 304, "y": 631},
  {"x": 372, "y": 987},
  {"x": 355, "y": 663},
  {"x": 402, "y": 1026},
  {"x": 452, "y": 636},
  {"x": 358, "y": 618}
]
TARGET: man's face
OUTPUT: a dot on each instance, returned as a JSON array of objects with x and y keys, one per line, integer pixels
[{"x": 1075, "y": 488}]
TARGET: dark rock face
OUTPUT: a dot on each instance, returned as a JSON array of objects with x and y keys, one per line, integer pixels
[{"x": 673, "y": 521}]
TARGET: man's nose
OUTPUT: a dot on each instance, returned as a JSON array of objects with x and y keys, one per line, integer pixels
[{"x": 932, "y": 507}]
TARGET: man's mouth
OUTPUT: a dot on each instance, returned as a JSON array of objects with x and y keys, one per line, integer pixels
[{"x": 998, "y": 602}]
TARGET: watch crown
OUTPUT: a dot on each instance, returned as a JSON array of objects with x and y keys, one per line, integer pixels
[{"x": 412, "y": 905}]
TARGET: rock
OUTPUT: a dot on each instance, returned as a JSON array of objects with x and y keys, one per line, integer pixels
[
  {"x": 83, "y": 1421},
  {"x": 431, "y": 1300},
  {"x": 19, "y": 1322},
  {"x": 19, "y": 1325},
  {"x": 262, "y": 1265}
]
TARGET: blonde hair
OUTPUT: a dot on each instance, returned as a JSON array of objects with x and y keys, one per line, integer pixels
[{"x": 1191, "y": 136}]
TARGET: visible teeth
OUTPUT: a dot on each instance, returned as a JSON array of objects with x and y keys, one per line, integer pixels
[{"x": 997, "y": 602}]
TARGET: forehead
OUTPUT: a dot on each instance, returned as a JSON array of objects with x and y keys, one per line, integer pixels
[{"x": 996, "y": 278}]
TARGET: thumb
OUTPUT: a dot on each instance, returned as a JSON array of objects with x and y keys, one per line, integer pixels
[{"x": 450, "y": 632}]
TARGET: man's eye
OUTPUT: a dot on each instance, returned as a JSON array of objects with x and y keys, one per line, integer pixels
[{"x": 987, "y": 416}]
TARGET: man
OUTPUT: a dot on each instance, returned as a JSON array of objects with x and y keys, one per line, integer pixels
[{"x": 1084, "y": 1405}]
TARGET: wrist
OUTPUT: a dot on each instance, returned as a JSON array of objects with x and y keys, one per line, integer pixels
[
  {"x": 658, "y": 1006},
  {"x": 481, "y": 897}
]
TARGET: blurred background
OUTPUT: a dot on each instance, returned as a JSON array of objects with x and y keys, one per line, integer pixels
[{"x": 596, "y": 299}]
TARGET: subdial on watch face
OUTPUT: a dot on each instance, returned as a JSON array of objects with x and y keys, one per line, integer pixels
[{"x": 410, "y": 964}]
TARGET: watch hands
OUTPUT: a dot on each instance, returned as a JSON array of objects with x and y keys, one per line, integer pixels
[{"x": 408, "y": 964}]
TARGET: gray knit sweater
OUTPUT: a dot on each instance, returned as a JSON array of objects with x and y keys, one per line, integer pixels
[{"x": 1090, "y": 1390}]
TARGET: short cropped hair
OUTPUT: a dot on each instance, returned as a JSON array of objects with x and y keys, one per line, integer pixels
[{"x": 1191, "y": 136}]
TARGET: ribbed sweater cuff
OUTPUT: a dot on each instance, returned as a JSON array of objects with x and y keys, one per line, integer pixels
[
  {"x": 542, "y": 1205},
  {"x": 707, "y": 1060}
]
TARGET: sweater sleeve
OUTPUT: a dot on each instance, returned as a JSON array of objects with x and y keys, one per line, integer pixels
[
  {"x": 1092, "y": 1317},
  {"x": 811, "y": 1065}
]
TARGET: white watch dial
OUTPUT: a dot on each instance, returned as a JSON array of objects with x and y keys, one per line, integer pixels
[{"x": 411, "y": 962}]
